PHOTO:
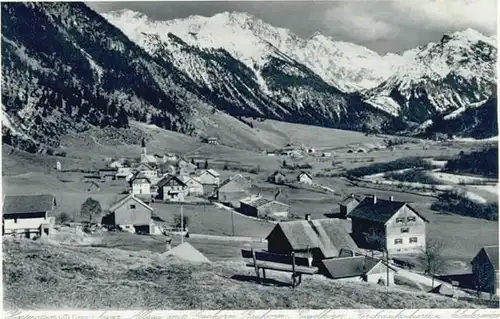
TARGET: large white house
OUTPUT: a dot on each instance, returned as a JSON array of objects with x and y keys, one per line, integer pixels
[
  {"x": 304, "y": 178},
  {"x": 194, "y": 186},
  {"x": 27, "y": 215},
  {"x": 141, "y": 187}
]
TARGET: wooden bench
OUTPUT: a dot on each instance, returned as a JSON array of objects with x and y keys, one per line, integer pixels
[{"x": 298, "y": 266}]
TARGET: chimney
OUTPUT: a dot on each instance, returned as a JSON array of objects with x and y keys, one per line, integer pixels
[
  {"x": 374, "y": 199},
  {"x": 391, "y": 198},
  {"x": 308, "y": 217}
]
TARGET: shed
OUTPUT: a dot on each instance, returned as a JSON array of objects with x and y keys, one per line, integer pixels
[{"x": 130, "y": 214}]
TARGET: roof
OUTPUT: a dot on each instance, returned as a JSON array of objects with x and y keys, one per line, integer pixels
[
  {"x": 186, "y": 179},
  {"x": 230, "y": 182},
  {"x": 141, "y": 176},
  {"x": 28, "y": 204},
  {"x": 348, "y": 199},
  {"x": 259, "y": 201},
  {"x": 108, "y": 169},
  {"x": 150, "y": 158},
  {"x": 491, "y": 253},
  {"x": 162, "y": 182},
  {"x": 329, "y": 235},
  {"x": 345, "y": 267},
  {"x": 443, "y": 289},
  {"x": 304, "y": 173},
  {"x": 381, "y": 211},
  {"x": 212, "y": 172},
  {"x": 276, "y": 173},
  {"x": 125, "y": 199},
  {"x": 145, "y": 166}
]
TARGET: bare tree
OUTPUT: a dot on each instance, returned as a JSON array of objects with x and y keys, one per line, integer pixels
[{"x": 432, "y": 258}]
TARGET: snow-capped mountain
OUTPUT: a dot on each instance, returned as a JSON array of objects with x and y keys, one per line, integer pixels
[
  {"x": 245, "y": 74},
  {"x": 457, "y": 73},
  {"x": 346, "y": 66}
]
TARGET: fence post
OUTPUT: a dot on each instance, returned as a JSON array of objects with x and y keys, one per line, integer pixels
[{"x": 255, "y": 265}]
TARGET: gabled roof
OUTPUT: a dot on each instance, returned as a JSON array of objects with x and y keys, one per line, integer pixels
[
  {"x": 165, "y": 179},
  {"x": 328, "y": 235},
  {"x": 141, "y": 176},
  {"x": 381, "y": 211},
  {"x": 260, "y": 201},
  {"x": 491, "y": 253},
  {"x": 186, "y": 179},
  {"x": 26, "y": 204},
  {"x": 145, "y": 166},
  {"x": 350, "y": 198},
  {"x": 304, "y": 173},
  {"x": 346, "y": 267},
  {"x": 276, "y": 173},
  {"x": 126, "y": 199},
  {"x": 230, "y": 182},
  {"x": 212, "y": 172}
]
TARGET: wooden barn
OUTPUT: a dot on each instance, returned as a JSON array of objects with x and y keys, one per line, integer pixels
[
  {"x": 130, "y": 214},
  {"x": 257, "y": 206},
  {"x": 485, "y": 270},
  {"x": 231, "y": 192},
  {"x": 321, "y": 238},
  {"x": 347, "y": 205},
  {"x": 27, "y": 215}
]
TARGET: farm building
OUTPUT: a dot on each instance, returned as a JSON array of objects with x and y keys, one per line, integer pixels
[
  {"x": 107, "y": 174},
  {"x": 348, "y": 204},
  {"x": 141, "y": 187},
  {"x": 389, "y": 224},
  {"x": 321, "y": 238},
  {"x": 211, "y": 140},
  {"x": 246, "y": 182},
  {"x": 210, "y": 177},
  {"x": 485, "y": 270},
  {"x": 231, "y": 192},
  {"x": 130, "y": 214},
  {"x": 258, "y": 206},
  {"x": 123, "y": 172},
  {"x": 171, "y": 188},
  {"x": 304, "y": 178},
  {"x": 194, "y": 186},
  {"x": 27, "y": 215},
  {"x": 277, "y": 178},
  {"x": 147, "y": 170},
  {"x": 358, "y": 268}
]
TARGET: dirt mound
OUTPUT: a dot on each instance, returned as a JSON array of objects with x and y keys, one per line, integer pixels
[{"x": 187, "y": 252}]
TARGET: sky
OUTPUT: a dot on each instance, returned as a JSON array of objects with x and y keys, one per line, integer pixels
[{"x": 381, "y": 25}]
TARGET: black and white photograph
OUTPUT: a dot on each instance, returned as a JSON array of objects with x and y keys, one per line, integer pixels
[{"x": 249, "y": 155}]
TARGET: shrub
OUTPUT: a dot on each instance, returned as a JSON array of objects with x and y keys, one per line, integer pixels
[
  {"x": 63, "y": 218},
  {"x": 456, "y": 202},
  {"x": 399, "y": 164},
  {"x": 412, "y": 176},
  {"x": 484, "y": 163}
]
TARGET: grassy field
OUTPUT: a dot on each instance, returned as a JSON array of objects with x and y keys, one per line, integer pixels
[{"x": 42, "y": 276}]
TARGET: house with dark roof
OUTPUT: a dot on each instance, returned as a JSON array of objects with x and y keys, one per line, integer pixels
[
  {"x": 258, "y": 206},
  {"x": 485, "y": 270},
  {"x": 347, "y": 204},
  {"x": 359, "y": 268},
  {"x": 27, "y": 215},
  {"x": 130, "y": 214},
  {"x": 172, "y": 189},
  {"x": 388, "y": 225},
  {"x": 277, "y": 178},
  {"x": 304, "y": 178},
  {"x": 319, "y": 238}
]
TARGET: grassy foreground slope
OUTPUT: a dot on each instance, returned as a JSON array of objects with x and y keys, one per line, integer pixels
[{"x": 39, "y": 275}]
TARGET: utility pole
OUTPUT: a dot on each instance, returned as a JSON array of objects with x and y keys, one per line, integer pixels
[
  {"x": 232, "y": 220},
  {"x": 182, "y": 224}
]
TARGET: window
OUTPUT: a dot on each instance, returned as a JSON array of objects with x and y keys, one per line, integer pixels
[
  {"x": 400, "y": 220},
  {"x": 411, "y": 219},
  {"x": 15, "y": 220},
  {"x": 132, "y": 206},
  {"x": 413, "y": 240},
  {"x": 405, "y": 230},
  {"x": 398, "y": 241}
]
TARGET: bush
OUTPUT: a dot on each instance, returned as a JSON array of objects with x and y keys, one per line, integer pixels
[
  {"x": 412, "y": 176},
  {"x": 63, "y": 218},
  {"x": 456, "y": 202},
  {"x": 399, "y": 164},
  {"x": 484, "y": 163},
  {"x": 255, "y": 170}
]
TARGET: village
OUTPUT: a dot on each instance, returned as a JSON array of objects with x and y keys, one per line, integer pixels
[{"x": 371, "y": 238}]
